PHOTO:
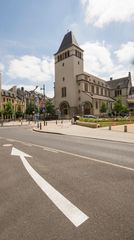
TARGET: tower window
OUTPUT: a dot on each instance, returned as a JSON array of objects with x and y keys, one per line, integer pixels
[
  {"x": 63, "y": 64},
  {"x": 63, "y": 92},
  {"x": 68, "y": 53}
]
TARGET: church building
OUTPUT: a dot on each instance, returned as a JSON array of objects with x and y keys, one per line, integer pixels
[{"x": 78, "y": 92}]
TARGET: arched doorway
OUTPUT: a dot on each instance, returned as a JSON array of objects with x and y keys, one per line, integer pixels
[
  {"x": 64, "y": 109},
  {"x": 87, "y": 108}
]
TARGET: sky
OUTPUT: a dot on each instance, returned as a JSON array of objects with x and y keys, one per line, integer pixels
[{"x": 31, "y": 31}]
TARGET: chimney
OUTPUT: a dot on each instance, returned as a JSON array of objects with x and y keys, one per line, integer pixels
[
  {"x": 111, "y": 78},
  {"x": 129, "y": 75}
]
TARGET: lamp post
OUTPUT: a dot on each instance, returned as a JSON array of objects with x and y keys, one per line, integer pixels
[
  {"x": 43, "y": 105},
  {"x": 35, "y": 101}
]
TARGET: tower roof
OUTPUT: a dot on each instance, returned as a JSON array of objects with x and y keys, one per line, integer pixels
[{"x": 67, "y": 42}]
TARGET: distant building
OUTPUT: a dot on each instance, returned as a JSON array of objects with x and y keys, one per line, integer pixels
[
  {"x": 78, "y": 92},
  {"x": 21, "y": 98}
]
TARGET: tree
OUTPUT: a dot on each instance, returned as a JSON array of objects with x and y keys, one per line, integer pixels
[
  {"x": 19, "y": 113},
  {"x": 50, "y": 107},
  {"x": 31, "y": 108},
  {"x": 119, "y": 107},
  {"x": 8, "y": 110},
  {"x": 103, "y": 108}
]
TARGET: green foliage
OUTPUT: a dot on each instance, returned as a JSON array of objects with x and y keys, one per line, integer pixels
[
  {"x": 19, "y": 113},
  {"x": 1, "y": 112},
  {"x": 119, "y": 108},
  {"x": 31, "y": 108},
  {"x": 50, "y": 107},
  {"x": 8, "y": 111},
  {"x": 103, "y": 108}
]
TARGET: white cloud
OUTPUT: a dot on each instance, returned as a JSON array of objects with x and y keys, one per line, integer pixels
[
  {"x": 102, "y": 61},
  {"x": 126, "y": 52},
  {"x": 1, "y": 67},
  {"x": 103, "y": 12},
  {"x": 97, "y": 58},
  {"x": 31, "y": 68}
]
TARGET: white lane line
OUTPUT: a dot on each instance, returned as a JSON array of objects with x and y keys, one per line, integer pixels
[
  {"x": 7, "y": 145},
  {"x": 50, "y": 150},
  {"x": 79, "y": 156},
  {"x": 74, "y": 214}
]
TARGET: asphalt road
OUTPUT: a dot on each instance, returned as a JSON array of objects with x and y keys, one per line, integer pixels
[{"x": 95, "y": 176}]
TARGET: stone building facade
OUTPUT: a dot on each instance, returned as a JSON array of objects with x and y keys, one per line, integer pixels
[{"x": 78, "y": 92}]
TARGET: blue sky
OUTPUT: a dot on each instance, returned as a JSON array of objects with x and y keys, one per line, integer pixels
[{"x": 31, "y": 32}]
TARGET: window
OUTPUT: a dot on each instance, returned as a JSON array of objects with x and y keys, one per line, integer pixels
[
  {"x": 118, "y": 91},
  {"x": 96, "y": 104},
  {"x": 63, "y": 79},
  {"x": 105, "y": 92},
  {"x": 101, "y": 91},
  {"x": 63, "y": 64},
  {"x": 97, "y": 90},
  {"x": 92, "y": 89},
  {"x": 77, "y": 54},
  {"x": 86, "y": 87},
  {"x": 63, "y": 92}
]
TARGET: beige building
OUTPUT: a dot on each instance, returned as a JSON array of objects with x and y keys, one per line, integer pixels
[{"x": 77, "y": 92}]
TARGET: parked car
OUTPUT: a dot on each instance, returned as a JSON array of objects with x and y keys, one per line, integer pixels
[{"x": 89, "y": 116}]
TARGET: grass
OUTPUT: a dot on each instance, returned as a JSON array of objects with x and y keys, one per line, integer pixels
[{"x": 104, "y": 122}]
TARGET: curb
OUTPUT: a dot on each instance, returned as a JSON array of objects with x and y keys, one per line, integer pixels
[
  {"x": 41, "y": 131},
  {"x": 110, "y": 140}
]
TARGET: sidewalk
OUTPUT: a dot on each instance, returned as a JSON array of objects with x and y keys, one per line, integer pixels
[{"x": 116, "y": 134}]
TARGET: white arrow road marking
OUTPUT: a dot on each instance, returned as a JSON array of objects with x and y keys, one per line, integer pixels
[
  {"x": 74, "y": 214},
  {"x": 7, "y": 145}
]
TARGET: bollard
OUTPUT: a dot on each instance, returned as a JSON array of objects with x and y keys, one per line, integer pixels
[
  {"x": 110, "y": 127},
  {"x": 125, "y": 128},
  {"x": 46, "y": 123},
  {"x": 21, "y": 122},
  {"x": 2, "y": 123},
  {"x": 37, "y": 125},
  {"x": 56, "y": 122},
  {"x": 40, "y": 126}
]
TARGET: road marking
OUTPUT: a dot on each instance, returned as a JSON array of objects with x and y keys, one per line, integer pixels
[
  {"x": 7, "y": 145},
  {"x": 50, "y": 150},
  {"x": 74, "y": 214},
  {"x": 77, "y": 155}
]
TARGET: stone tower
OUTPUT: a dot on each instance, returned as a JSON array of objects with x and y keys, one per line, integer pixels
[{"x": 68, "y": 64}]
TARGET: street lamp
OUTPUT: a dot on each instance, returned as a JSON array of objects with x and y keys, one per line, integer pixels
[
  {"x": 35, "y": 101},
  {"x": 43, "y": 105}
]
